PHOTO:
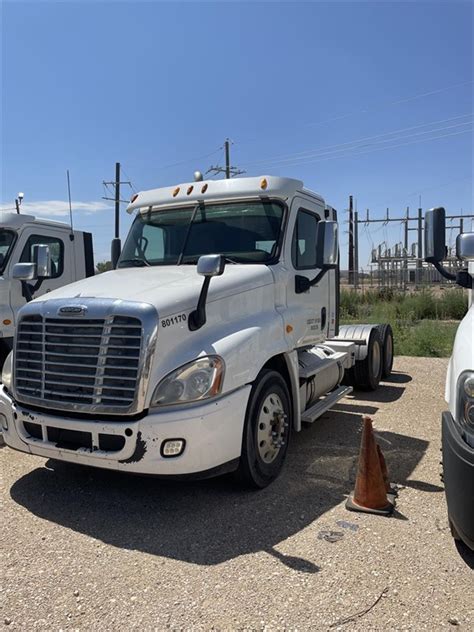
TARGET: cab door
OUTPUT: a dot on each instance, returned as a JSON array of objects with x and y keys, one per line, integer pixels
[
  {"x": 307, "y": 309},
  {"x": 61, "y": 249}
]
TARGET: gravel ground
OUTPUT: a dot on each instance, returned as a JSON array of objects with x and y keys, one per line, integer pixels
[{"x": 90, "y": 549}]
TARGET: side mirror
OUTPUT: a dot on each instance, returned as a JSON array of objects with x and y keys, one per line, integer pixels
[
  {"x": 116, "y": 248},
  {"x": 465, "y": 246},
  {"x": 326, "y": 244},
  {"x": 24, "y": 271},
  {"x": 435, "y": 235},
  {"x": 210, "y": 265},
  {"x": 42, "y": 259}
]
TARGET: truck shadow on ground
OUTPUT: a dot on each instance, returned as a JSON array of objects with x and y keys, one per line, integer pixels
[{"x": 212, "y": 521}]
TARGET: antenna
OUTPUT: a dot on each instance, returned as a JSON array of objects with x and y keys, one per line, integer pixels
[{"x": 71, "y": 236}]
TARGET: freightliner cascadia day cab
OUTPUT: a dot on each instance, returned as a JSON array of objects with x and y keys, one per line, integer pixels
[
  {"x": 24, "y": 240},
  {"x": 215, "y": 337},
  {"x": 458, "y": 421}
]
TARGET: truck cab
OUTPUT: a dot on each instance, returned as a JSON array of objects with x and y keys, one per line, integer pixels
[
  {"x": 216, "y": 337},
  {"x": 70, "y": 254},
  {"x": 457, "y": 423}
]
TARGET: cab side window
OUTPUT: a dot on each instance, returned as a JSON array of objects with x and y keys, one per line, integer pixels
[
  {"x": 56, "y": 248},
  {"x": 303, "y": 247}
]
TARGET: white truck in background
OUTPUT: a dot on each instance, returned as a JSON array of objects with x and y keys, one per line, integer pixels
[
  {"x": 70, "y": 255},
  {"x": 457, "y": 426},
  {"x": 148, "y": 369}
]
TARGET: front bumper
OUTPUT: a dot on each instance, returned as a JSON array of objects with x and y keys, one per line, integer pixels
[
  {"x": 458, "y": 469},
  {"x": 212, "y": 432}
]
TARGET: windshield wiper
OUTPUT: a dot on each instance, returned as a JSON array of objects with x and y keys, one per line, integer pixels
[
  {"x": 139, "y": 263},
  {"x": 199, "y": 205}
]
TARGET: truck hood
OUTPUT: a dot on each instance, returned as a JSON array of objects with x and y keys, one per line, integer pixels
[
  {"x": 170, "y": 289},
  {"x": 462, "y": 358}
]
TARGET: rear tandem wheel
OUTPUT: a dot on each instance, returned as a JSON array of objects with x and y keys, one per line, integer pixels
[{"x": 366, "y": 373}]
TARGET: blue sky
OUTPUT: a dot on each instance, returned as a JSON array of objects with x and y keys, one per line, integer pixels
[{"x": 372, "y": 99}]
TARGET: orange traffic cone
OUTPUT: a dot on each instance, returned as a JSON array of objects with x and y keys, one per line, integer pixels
[
  {"x": 370, "y": 494},
  {"x": 391, "y": 491}
]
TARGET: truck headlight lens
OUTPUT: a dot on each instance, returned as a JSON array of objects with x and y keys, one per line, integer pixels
[
  {"x": 465, "y": 399},
  {"x": 7, "y": 371},
  {"x": 469, "y": 386},
  {"x": 198, "y": 380}
]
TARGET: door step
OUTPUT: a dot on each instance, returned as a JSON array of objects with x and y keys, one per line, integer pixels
[{"x": 322, "y": 405}]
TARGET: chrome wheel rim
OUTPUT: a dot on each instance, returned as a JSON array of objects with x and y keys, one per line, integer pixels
[{"x": 271, "y": 428}]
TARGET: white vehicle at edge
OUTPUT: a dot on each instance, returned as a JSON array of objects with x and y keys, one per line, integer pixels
[
  {"x": 457, "y": 427},
  {"x": 149, "y": 369},
  {"x": 69, "y": 254}
]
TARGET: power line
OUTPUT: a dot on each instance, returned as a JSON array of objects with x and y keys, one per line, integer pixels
[
  {"x": 329, "y": 148},
  {"x": 396, "y": 102},
  {"x": 382, "y": 105},
  {"x": 351, "y": 155},
  {"x": 184, "y": 162},
  {"x": 348, "y": 151},
  {"x": 129, "y": 180}
]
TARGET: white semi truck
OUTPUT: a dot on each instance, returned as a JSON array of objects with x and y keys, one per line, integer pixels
[
  {"x": 70, "y": 259},
  {"x": 457, "y": 426},
  {"x": 152, "y": 369}
]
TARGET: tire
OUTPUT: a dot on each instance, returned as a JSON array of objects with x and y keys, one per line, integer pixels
[
  {"x": 454, "y": 531},
  {"x": 386, "y": 336},
  {"x": 366, "y": 373},
  {"x": 4, "y": 351},
  {"x": 261, "y": 461}
]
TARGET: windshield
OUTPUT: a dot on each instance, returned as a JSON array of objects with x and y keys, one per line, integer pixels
[
  {"x": 7, "y": 239},
  {"x": 245, "y": 232}
]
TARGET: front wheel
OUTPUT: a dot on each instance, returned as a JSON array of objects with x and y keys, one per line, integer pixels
[{"x": 267, "y": 431}]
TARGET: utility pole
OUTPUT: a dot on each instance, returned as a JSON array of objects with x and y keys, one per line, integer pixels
[
  {"x": 228, "y": 170},
  {"x": 116, "y": 199},
  {"x": 356, "y": 250},
  {"x": 351, "y": 241},
  {"x": 419, "y": 263},
  {"x": 405, "y": 254},
  {"x": 227, "y": 158}
]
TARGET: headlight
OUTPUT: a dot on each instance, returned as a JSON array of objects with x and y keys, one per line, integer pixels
[
  {"x": 200, "y": 379},
  {"x": 7, "y": 371},
  {"x": 465, "y": 399}
]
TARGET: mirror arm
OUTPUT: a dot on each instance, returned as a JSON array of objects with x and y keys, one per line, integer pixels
[
  {"x": 28, "y": 290},
  {"x": 464, "y": 279},
  {"x": 320, "y": 275},
  {"x": 303, "y": 284},
  {"x": 197, "y": 318},
  {"x": 322, "y": 272},
  {"x": 443, "y": 271}
]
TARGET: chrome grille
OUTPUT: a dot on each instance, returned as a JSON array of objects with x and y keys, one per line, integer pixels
[{"x": 91, "y": 362}]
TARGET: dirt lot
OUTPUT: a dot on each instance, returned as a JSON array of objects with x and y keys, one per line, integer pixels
[{"x": 89, "y": 549}]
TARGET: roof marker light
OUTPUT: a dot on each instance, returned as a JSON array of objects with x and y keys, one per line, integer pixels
[
  {"x": 133, "y": 198},
  {"x": 175, "y": 192},
  {"x": 204, "y": 188},
  {"x": 263, "y": 183}
]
